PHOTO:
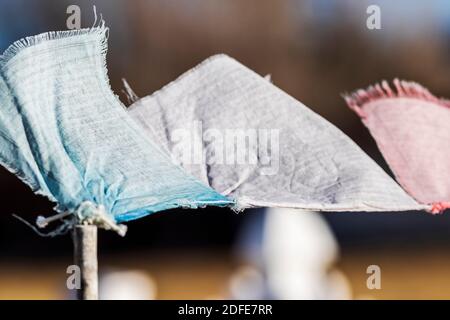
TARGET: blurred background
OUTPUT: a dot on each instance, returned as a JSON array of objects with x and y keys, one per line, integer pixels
[{"x": 315, "y": 50}]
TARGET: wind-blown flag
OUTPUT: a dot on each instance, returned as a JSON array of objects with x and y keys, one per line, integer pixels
[
  {"x": 412, "y": 130},
  {"x": 249, "y": 140},
  {"x": 65, "y": 134}
]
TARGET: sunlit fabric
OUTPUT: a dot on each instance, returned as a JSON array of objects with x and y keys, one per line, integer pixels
[
  {"x": 64, "y": 132},
  {"x": 412, "y": 130},
  {"x": 246, "y": 138}
]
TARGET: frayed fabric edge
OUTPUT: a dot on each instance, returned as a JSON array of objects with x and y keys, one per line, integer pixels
[
  {"x": 439, "y": 208},
  {"x": 132, "y": 97},
  {"x": 18, "y": 46},
  {"x": 402, "y": 89},
  {"x": 243, "y": 203}
]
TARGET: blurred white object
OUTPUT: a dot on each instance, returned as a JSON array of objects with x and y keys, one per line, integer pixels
[
  {"x": 127, "y": 285},
  {"x": 289, "y": 256},
  {"x": 298, "y": 237},
  {"x": 298, "y": 251}
]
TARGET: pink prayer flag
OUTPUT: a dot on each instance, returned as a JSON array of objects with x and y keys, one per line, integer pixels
[{"x": 412, "y": 130}]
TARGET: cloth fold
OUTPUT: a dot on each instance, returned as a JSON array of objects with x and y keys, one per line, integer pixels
[
  {"x": 240, "y": 134},
  {"x": 65, "y": 134}
]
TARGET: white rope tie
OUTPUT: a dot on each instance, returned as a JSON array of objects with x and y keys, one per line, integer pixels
[
  {"x": 87, "y": 213},
  {"x": 90, "y": 214}
]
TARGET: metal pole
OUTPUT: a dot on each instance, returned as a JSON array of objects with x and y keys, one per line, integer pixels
[{"x": 85, "y": 254}]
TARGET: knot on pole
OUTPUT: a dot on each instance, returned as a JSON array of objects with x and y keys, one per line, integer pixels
[{"x": 87, "y": 213}]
